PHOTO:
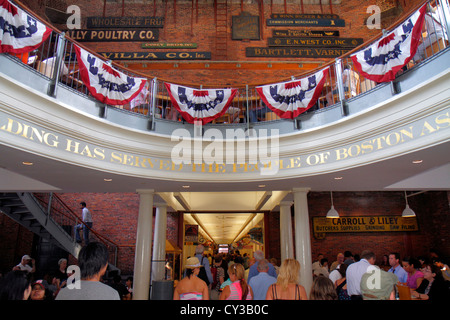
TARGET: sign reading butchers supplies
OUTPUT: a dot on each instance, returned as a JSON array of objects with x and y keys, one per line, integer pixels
[{"x": 364, "y": 224}]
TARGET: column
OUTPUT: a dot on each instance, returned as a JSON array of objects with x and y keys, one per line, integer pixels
[
  {"x": 302, "y": 236},
  {"x": 142, "y": 260},
  {"x": 286, "y": 240},
  {"x": 159, "y": 245}
]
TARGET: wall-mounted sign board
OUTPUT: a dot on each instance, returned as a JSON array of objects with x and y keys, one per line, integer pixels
[
  {"x": 304, "y": 33},
  {"x": 245, "y": 27},
  {"x": 110, "y": 35},
  {"x": 306, "y": 22},
  {"x": 156, "y": 55},
  {"x": 169, "y": 45},
  {"x": 312, "y": 52},
  {"x": 315, "y": 42},
  {"x": 125, "y": 22},
  {"x": 303, "y": 16}
]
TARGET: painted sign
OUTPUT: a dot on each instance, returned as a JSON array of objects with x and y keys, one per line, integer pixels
[
  {"x": 245, "y": 27},
  {"x": 295, "y": 52},
  {"x": 306, "y": 22},
  {"x": 304, "y": 33},
  {"x": 318, "y": 42},
  {"x": 303, "y": 16},
  {"x": 191, "y": 233},
  {"x": 169, "y": 45},
  {"x": 364, "y": 224},
  {"x": 125, "y": 22},
  {"x": 156, "y": 55},
  {"x": 113, "y": 35}
]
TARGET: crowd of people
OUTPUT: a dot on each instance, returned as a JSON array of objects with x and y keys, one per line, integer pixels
[
  {"x": 349, "y": 277},
  {"x": 243, "y": 277}
]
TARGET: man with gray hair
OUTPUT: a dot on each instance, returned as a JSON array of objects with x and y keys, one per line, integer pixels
[
  {"x": 259, "y": 255},
  {"x": 205, "y": 263},
  {"x": 262, "y": 281}
]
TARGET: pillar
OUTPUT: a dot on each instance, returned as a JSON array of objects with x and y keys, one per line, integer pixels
[
  {"x": 142, "y": 260},
  {"x": 286, "y": 240},
  {"x": 302, "y": 236},
  {"x": 159, "y": 245}
]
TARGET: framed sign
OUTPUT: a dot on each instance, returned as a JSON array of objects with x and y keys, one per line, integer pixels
[
  {"x": 315, "y": 42},
  {"x": 170, "y": 55},
  {"x": 110, "y": 35},
  {"x": 306, "y": 22},
  {"x": 245, "y": 27},
  {"x": 304, "y": 33},
  {"x": 292, "y": 52}
]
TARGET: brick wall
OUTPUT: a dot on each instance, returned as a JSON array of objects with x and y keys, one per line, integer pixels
[{"x": 184, "y": 23}]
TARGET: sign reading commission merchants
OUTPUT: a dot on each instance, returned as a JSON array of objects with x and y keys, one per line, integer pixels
[
  {"x": 364, "y": 224},
  {"x": 306, "y": 22},
  {"x": 113, "y": 35},
  {"x": 125, "y": 22}
]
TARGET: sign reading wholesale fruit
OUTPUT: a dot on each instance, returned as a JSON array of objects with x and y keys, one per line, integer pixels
[{"x": 364, "y": 224}]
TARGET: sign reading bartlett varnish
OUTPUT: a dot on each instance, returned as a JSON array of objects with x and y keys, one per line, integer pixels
[
  {"x": 295, "y": 52},
  {"x": 114, "y": 35},
  {"x": 364, "y": 224},
  {"x": 156, "y": 55},
  {"x": 306, "y": 22},
  {"x": 304, "y": 33},
  {"x": 319, "y": 42},
  {"x": 125, "y": 22}
]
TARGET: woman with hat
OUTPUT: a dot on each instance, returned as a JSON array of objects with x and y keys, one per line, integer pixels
[{"x": 191, "y": 287}]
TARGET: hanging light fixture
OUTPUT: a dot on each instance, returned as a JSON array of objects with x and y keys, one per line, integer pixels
[
  {"x": 332, "y": 213},
  {"x": 408, "y": 212}
]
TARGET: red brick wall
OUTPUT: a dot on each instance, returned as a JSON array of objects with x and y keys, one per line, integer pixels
[{"x": 183, "y": 24}]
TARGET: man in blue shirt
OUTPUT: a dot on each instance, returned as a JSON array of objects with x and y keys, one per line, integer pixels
[
  {"x": 262, "y": 281},
  {"x": 394, "y": 261},
  {"x": 253, "y": 270}
]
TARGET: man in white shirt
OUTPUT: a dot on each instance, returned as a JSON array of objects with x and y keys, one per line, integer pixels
[
  {"x": 86, "y": 217},
  {"x": 355, "y": 272},
  {"x": 24, "y": 264}
]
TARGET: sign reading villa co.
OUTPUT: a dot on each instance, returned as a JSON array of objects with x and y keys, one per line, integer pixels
[
  {"x": 156, "y": 55},
  {"x": 125, "y": 22}
]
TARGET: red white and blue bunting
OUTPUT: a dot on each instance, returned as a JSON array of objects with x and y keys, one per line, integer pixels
[
  {"x": 383, "y": 59},
  {"x": 200, "y": 105},
  {"x": 105, "y": 83},
  {"x": 290, "y": 99},
  {"x": 19, "y": 31}
]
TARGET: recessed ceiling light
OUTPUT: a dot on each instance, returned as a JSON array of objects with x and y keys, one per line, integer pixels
[
  {"x": 417, "y": 161},
  {"x": 26, "y": 163},
  {"x": 186, "y": 187},
  {"x": 338, "y": 178},
  {"x": 261, "y": 185},
  {"x": 107, "y": 180}
]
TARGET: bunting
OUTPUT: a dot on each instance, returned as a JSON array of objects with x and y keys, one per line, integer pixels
[
  {"x": 105, "y": 83},
  {"x": 290, "y": 99},
  {"x": 200, "y": 105},
  {"x": 383, "y": 59},
  {"x": 19, "y": 31}
]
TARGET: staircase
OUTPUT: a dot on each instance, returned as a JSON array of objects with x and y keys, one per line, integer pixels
[
  {"x": 53, "y": 222},
  {"x": 221, "y": 19}
]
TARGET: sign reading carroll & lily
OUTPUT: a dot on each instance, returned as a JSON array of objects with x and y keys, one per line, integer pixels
[
  {"x": 364, "y": 224},
  {"x": 125, "y": 22},
  {"x": 295, "y": 52},
  {"x": 318, "y": 42},
  {"x": 113, "y": 35},
  {"x": 156, "y": 55}
]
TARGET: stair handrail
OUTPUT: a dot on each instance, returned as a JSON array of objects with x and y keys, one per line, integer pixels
[{"x": 59, "y": 209}]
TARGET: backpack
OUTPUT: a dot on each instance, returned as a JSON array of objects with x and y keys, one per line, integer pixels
[{"x": 202, "y": 274}]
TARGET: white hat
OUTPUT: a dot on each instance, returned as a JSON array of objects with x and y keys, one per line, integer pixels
[
  {"x": 192, "y": 263},
  {"x": 26, "y": 257}
]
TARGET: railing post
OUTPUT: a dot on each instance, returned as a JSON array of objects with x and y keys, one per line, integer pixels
[
  {"x": 340, "y": 85},
  {"x": 57, "y": 66},
  {"x": 247, "y": 111},
  {"x": 49, "y": 207},
  {"x": 154, "y": 91}
]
